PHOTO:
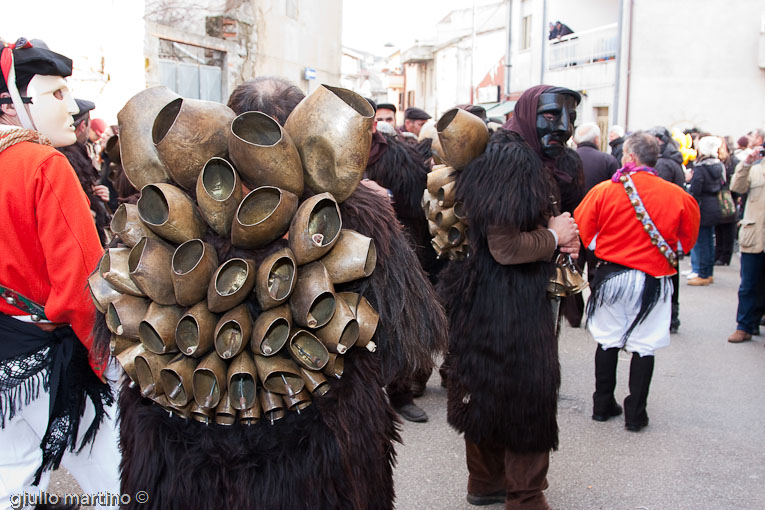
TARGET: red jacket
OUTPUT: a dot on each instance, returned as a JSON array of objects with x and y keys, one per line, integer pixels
[
  {"x": 607, "y": 212},
  {"x": 48, "y": 239}
]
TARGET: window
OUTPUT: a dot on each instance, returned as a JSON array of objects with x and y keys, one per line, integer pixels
[
  {"x": 191, "y": 71},
  {"x": 526, "y": 32}
]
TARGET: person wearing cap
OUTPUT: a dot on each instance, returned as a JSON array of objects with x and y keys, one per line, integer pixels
[
  {"x": 79, "y": 156},
  {"x": 414, "y": 118},
  {"x": 386, "y": 112},
  {"x": 55, "y": 405}
]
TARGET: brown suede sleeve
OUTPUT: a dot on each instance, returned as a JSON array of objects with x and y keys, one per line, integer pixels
[{"x": 509, "y": 246}]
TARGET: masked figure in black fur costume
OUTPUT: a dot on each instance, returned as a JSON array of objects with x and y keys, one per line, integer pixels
[
  {"x": 338, "y": 453},
  {"x": 504, "y": 374},
  {"x": 397, "y": 166}
]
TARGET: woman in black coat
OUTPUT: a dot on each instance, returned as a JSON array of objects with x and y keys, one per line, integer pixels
[{"x": 705, "y": 185}]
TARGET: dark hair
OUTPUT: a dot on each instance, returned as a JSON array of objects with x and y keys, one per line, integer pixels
[
  {"x": 644, "y": 146},
  {"x": 271, "y": 95}
]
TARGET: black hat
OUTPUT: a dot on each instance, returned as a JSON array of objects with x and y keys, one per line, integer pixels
[
  {"x": 372, "y": 102},
  {"x": 416, "y": 114},
  {"x": 84, "y": 107},
  {"x": 387, "y": 106},
  {"x": 30, "y": 60}
]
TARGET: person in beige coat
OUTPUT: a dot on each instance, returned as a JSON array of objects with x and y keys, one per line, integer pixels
[{"x": 750, "y": 178}]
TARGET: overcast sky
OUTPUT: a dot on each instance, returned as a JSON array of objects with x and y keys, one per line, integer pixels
[{"x": 369, "y": 24}]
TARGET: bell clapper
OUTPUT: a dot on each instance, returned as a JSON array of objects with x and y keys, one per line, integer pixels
[
  {"x": 131, "y": 385},
  {"x": 312, "y": 323},
  {"x": 267, "y": 349},
  {"x": 317, "y": 239},
  {"x": 148, "y": 390},
  {"x": 286, "y": 384},
  {"x": 341, "y": 348},
  {"x": 243, "y": 402},
  {"x": 120, "y": 329},
  {"x": 209, "y": 399},
  {"x": 371, "y": 347},
  {"x": 176, "y": 390}
]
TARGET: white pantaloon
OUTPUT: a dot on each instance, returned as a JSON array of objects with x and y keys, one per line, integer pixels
[
  {"x": 96, "y": 467},
  {"x": 610, "y": 321}
]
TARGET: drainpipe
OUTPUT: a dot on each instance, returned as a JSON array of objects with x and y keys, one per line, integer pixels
[
  {"x": 509, "y": 51},
  {"x": 629, "y": 70},
  {"x": 615, "y": 112},
  {"x": 544, "y": 41}
]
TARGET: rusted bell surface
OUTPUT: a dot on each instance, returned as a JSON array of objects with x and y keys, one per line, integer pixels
[
  {"x": 279, "y": 375},
  {"x": 446, "y": 195},
  {"x": 127, "y": 225},
  {"x": 210, "y": 380},
  {"x": 297, "y": 402},
  {"x": 147, "y": 368},
  {"x": 341, "y": 332},
  {"x": 433, "y": 210},
  {"x": 114, "y": 269},
  {"x": 101, "y": 292},
  {"x": 157, "y": 329},
  {"x": 137, "y": 152},
  {"x": 195, "y": 332},
  {"x": 271, "y": 331},
  {"x": 354, "y": 256},
  {"x": 264, "y": 153},
  {"x": 124, "y": 315},
  {"x": 233, "y": 331},
  {"x": 313, "y": 302},
  {"x": 193, "y": 264},
  {"x": 187, "y": 133},
  {"x": 440, "y": 176},
  {"x": 127, "y": 359},
  {"x": 150, "y": 268},
  {"x": 366, "y": 316},
  {"x": 557, "y": 284},
  {"x": 463, "y": 137},
  {"x": 456, "y": 234},
  {"x": 170, "y": 213},
  {"x": 231, "y": 283},
  {"x": 308, "y": 350},
  {"x": 119, "y": 343},
  {"x": 177, "y": 380},
  {"x": 315, "y": 382},
  {"x": 219, "y": 192},
  {"x": 250, "y": 416},
  {"x": 225, "y": 414},
  {"x": 460, "y": 212},
  {"x": 332, "y": 129},
  {"x": 263, "y": 216},
  {"x": 242, "y": 382},
  {"x": 276, "y": 279},
  {"x": 315, "y": 228},
  {"x": 273, "y": 406},
  {"x": 446, "y": 218},
  {"x": 425, "y": 202},
  {"x": 202, "y": 414},
  {"x": 432, "y": 228},
  {"x": 335, "y": 366}
]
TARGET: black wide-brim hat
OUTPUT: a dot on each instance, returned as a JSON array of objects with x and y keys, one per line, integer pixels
[{"x": 31, "y": 60}]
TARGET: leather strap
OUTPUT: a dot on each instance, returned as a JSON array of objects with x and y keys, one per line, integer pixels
[{"x": 23, "y": 303}]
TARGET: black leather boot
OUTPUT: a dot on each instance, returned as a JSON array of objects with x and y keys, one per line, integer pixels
[
  {"x": 641, "y": 371},
  {"x": 604, "y": 404}
]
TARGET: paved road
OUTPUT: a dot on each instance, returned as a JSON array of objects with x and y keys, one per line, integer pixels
[{"x": 702, "y": 451}]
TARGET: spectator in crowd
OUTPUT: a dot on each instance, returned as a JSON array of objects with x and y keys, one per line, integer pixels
[
  {"x": 414, "y": 118},
  {"x": 629, "y": 307},
  {"x": 705, "y": 185},
  {"x": 559, "y": 30},
  {"x": 749, "y": 178},
  {"x": 616, "y": 140},
  {"x": 597, "y": 166},
  {"x": 78, "y": 155},
  {"x": 386, "y": 112},
  {"x": 725, "y": 231}
]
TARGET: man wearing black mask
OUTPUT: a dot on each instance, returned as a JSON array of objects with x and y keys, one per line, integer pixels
[{"x": 504, "y": 374}]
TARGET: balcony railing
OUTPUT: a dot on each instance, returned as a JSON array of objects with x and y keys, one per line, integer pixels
[{"x": 581, "y": 48}]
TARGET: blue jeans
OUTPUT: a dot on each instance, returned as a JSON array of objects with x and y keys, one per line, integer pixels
[
  {"x": 751, "y": 292},
  {"x": 703, "y": 254}
]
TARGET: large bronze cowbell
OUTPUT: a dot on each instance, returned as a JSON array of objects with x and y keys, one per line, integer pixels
[{"x": 573, "y": 280}]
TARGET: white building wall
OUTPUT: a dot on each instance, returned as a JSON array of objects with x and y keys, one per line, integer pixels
[{"x": 703, "y": 73}]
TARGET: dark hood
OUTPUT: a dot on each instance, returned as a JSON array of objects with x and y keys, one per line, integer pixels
[{"x": 671, "y": 152}]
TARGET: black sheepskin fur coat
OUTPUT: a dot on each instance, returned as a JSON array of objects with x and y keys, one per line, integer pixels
[
  {"x": 504, "y": 374},
  {"x": 403, "y": 170},
  {"x": 337, "y": 454}
]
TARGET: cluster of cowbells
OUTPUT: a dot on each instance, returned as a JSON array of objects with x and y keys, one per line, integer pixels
[
  {"x": 458, "y": 138},
  {"x": 180, "y": 321}
]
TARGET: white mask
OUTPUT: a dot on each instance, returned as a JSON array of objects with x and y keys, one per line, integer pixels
[{"x": 52, "y": 109}]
